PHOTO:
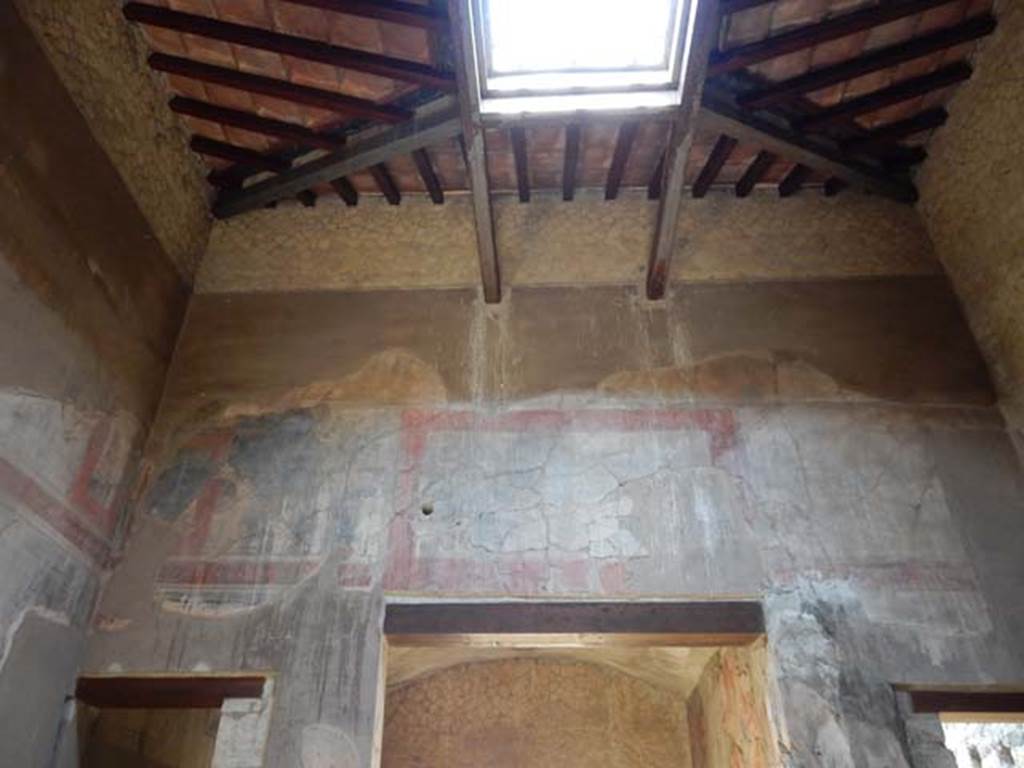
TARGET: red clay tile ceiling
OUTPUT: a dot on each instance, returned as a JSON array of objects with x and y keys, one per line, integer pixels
[{"x": 896, "y": 78}]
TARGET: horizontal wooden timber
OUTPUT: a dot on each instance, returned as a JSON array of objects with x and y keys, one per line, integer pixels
[
  {"x": 408, "y": 14},
  {"x": 814, "y": 34},
  {"x": 992, "y": 700},
  {"x": 379, "y": 147},
  {"x": 290, "y": 45},
  {"x": 560, "y": 624},
  {"x": 279, "y": 129},
  {"x": 874, "y": 61},
  {"x": 279, "y": 89},
  {"x": 174, "y": 692},
  {"x": 894, "y": 94}
]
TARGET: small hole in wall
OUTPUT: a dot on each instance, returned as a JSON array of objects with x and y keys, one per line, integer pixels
[{"x": 427, "y": 510}]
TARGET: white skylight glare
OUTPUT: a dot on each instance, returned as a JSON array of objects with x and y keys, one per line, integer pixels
[{"x": 553, "y": 55}]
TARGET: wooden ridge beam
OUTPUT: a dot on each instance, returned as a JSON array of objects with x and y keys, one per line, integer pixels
[
  {"x": 346, "y": 191},
  {"x": 235, "y": 154},
  {"x": 677, "y": 149},
  {"x": 385, "y": 183},
  {"x": 407, "y": 14},
  {"x": 794, "y": 180},
  {"x": 874, "y": 61},
  {"x": 894, "y": 94},
  {"x": 289, "y": 45},
  {"x": 900, "y": 129},
  {"x": 426, "y": 170},
  {"x": 719, "y": 155},
  {"x": 754, "y": 173},
  {"x": 572, "y": 157},
  {"x": 719, "y": 113},
  {"x": 517, "y": 134},
  {"x": 279, "y": 89},
  {"x": 377, "y": 147},
  {"x": 623, "y": 146},
  {"x": 279, "y": 129},
  {"x": 474, "y": 144},
  {"x": 814, "y": 34}
]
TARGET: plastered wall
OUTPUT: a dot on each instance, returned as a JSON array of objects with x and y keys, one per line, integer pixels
[
  {"x": 90, "y": 307},
  {"x": 972, "y": 199},
  {"x": 102, "y": 62}
]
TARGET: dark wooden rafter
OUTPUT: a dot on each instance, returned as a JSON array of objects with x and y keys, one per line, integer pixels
[
  {"x": 279, "y": 129},
  {"x": 657, "y": 179},
  {"x": 900, "y": 129},
  {"x": 475, "y": 150},
  {"x": 407, "y": 14},
  {"x": 426, "y": 170},
  {"x": 517, "y": 134},
  {"x": 894, "y": 94},
  {"x": 377, "y": 146},
  {"x": 774, "y": 134},
  {"x": 834, "y": 186},
  {"x": 236, "y": 154},
  {"x": 346, "y": 191},
  {"x": 620, "y": 157},
  {"x": 386, "y": 184},
  {"x": 307, "y": 197},
  {"x": 794, "y": 180},
  {"x": 718, "y": 157},
  {"x": 874, "y": 61},
  {"x": 814, "y": 34},
  {"x": 677, "y": 149},
  {"x": 754, "y": 173},
  {"x": 280, "y": 89},
  {"x": 571, "y": 162},
  {"x": 289, "y": 45}
]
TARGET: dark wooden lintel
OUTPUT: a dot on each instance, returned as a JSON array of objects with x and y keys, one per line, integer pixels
[
  {"x": 166, "y": 692},
  {"x": 960, "y": 700}
]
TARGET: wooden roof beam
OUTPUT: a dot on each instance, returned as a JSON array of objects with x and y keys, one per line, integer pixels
[
  {"x": 719, "y": 155},
  {"x": 407, "y": 14},
  {"x": 680, "y": 139},
  {"x": 754, "y": 173},
  {"x": 235, "y": 154},
  {"x": 894, "y": 94},
  {"x": 875, "y": 61},
  {"x": 385, "y": 183},
  {"x": 901, "y": 129},
  {"x": 794, "y": 180},
  {"x": 278, "y": 129},
  {"x": 720, "y": 113},
  {"x": 572, "y": 158},
  {"x": 377, "y": 146},
  {"x": 475, "y": 150},
  {"x": 279, "y": 89},
  {"x": 727, "y": 7},
  {"x": 290, "y": 45},
  {"x": 426, "y": 170},
  {"x": 346, "y": 191},
  {"x": 814, "y": 34},
  {"x": 623, "y": 146},
  {"x": 518, "y": 136}
]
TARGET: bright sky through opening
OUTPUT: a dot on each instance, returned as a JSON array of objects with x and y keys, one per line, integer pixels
[{"x": 546, "y": 35}]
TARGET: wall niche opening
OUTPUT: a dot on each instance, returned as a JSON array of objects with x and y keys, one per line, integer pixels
[{"x": 531, "y": 684}]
